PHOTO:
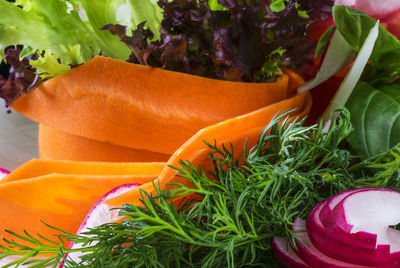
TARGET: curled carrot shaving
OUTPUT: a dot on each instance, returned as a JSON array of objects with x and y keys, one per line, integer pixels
[
  {"x": 141, "y": 107},
  {"x": 235, "y": 131}
]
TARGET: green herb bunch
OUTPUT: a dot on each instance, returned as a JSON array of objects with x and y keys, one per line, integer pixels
[{"x": 234, "y": 209}]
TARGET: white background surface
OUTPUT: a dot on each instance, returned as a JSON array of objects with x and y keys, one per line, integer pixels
[{"x": 18, "y": 139}]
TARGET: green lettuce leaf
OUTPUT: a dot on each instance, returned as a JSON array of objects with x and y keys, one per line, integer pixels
[
  {"x": 50, "y": 64},
  {"x": 214, "y": 5},
  {"x": 277, "y": 5},
  {"x": 129, "y": 13},
  {"x": 69, "y": 31}
]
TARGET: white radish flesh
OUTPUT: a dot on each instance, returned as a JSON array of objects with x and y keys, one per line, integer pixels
[
  {"x": 371, "y": 211},
  {"x": 341, "y": 247},
  {"x": 100, "y": 213},
  {"x": 284, "y": 255}
]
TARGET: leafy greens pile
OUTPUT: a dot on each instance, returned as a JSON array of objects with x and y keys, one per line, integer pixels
[
  {"x": 52, "y": 36},
  {"x": 225, "y": 39},
  {"x": 236, "y": 214},
  {"x": 378, "y": 93},
  {"x": 374, "y": 104},
  {"x": 245, "y": 41}
]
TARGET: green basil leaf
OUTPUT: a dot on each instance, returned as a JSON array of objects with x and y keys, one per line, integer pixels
[
  {"x": 354, "y": 26},
  {"x": 375, "y": 115}
]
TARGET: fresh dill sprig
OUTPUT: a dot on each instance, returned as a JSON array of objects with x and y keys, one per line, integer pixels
[
  {"x": 233, "y": 210},
  {"x": 25, "y": 249}
]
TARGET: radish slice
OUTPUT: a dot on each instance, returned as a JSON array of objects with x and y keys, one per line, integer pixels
[
  {"x": 332, "y": 202},
  {"x": 371, "y": 211},
  {"x": 284, "y": 255},
  {"x": 351, "y": 229},
  {"x": 359, "y": 247},
  {"x": 3, "y": 173},
  {"x": 361, "y": 239},
  {"x": 99, "y": 214},
  {"x": 311, "y": 255},
  {"x": 337, "y": 246}
]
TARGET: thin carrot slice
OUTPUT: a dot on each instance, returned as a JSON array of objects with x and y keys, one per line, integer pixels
[
  {"x": 295, "y": 80},
  {"x": 58, "y": 199},
  {"x": 59, "y": 145},
  {"x": 38, "y": 167},
  {"x": 141, "y": 107},
  {"x": 235, "y": 131}
]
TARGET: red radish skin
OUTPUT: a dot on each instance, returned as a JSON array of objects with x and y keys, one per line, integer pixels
[
  {"x": 284, "y": 255},
  {"x": 361, "y": 213},
  {"x": 98, "y": 209},
  {"x": 351, "y": 229},
  {"x": 99, "y": 214},
  {"x": 326, "y": 211},
  {"x": 337, "y": 247},
  {"x": 311, "y": 255},
  {"x": 364, "y": 240},
  {"x": 338, "y": 217}
]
